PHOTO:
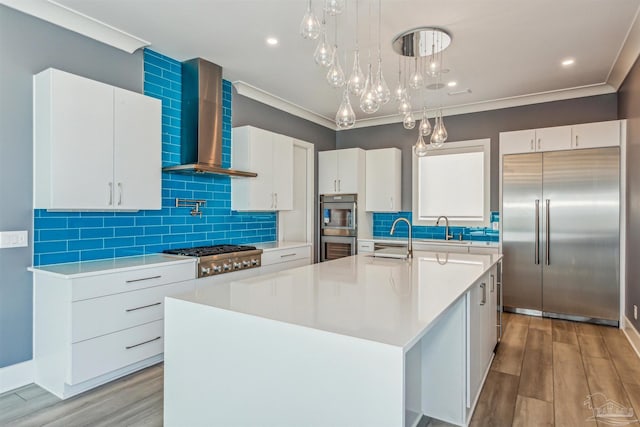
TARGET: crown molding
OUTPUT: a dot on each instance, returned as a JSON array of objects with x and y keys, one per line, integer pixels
[
  {"x": 627, "y": 55},
  {"x": 274, "y": 101},
  {"x": 496, "y": 104},
  {"x": 65, "y": 17}
]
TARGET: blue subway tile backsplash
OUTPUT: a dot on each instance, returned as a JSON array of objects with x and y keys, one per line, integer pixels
[
  {"x": 382, "y": 225},
  {"x": 61, "y": 237}
]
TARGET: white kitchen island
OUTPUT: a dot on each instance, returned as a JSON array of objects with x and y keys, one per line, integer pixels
[{"x": 359, "y": 341}]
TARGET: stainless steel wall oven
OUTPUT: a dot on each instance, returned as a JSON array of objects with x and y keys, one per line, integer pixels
[{"x": 338, "y": 226}]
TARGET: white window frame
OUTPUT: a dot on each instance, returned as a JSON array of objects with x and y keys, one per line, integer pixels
[{"x": 459, "y": 147}]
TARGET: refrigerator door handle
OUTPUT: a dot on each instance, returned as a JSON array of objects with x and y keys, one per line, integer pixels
[
  {"x": 537, "y": 231},
  {"x": 548, "y": 234}
]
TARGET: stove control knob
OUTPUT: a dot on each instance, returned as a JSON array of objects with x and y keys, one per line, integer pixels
[
  {"x": 205, "y": 271},
  {"x": 246, "y": 263},
  {"x": 237, "y": 265},
  {"x": 226, "y": 267},
  {"x": 255, "y": 262},
  {"x": 217, "y": 268}
]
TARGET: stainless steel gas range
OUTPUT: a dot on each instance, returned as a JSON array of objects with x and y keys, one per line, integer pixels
[{"x": 220, "y": 259}]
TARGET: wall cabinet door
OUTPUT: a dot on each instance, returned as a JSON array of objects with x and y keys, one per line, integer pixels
[
  {"x": 84, "y": 137},
  {"x": 553, "y": 139},
  {"x": 269, "y": 155},
  {"x": 521, "y": 141},
  {"x": 383, "y": 187},
  {"x": 328, "y": 172},
  {"x": 341, "y": 171},
  {"x": 592, "y": 135},
  {"x": 137, "y": 147}
]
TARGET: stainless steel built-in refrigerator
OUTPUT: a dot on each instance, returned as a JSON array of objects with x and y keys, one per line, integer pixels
[{"x": 561, "y": 234}]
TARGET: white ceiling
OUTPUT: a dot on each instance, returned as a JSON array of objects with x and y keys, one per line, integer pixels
[{"x": 507, "y": 51}]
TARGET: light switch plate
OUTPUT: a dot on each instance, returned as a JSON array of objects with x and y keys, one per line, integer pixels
[{"x": 13, "y": 239}]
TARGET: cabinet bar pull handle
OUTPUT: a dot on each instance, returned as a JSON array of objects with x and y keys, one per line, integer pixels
[
  {"x": 119, "y": 193},
  {"x": 129, "y": 347},
  {"x": 493, "y": 283},
  {"x": 144, "y": 278},
  {"x": 128, "y": 310},
  {"x": 391, "y": 202},
  {"x": 335, "y": 185},
  {"x": 576, "y": 140},
  {"x": 536, "y": 256},
  {"x": 287, "y": 255},
  {"x": 532, "y": 145},
  {"x": 339, "y": 185},
  {"x": 538, "y": 143},
  {"x": 110, "y": 193},
  {"x": 547, "y": 245},
  {"x": 484, "y": 293}
]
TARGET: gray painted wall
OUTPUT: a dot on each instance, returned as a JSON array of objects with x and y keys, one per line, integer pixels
[
  {"x": 246, "y": 112},
  {"x": 27, "y": 46},
  {"x": 487, "y": 124},
  {"x": 629, "y": 108}
]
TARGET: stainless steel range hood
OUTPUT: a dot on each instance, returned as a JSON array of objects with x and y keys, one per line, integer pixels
[{"x": 201, "y": 146}]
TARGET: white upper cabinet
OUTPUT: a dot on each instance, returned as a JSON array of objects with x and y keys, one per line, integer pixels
[
  {"x": 341, "y": 171},
  {"x": 383, "y": 180},
  {"x": 270, "y": 155},
  {"x": 96, "y": 147},
  {"x": 592, "y": 135},
  {"x": 137, "y": 157},
  {"x": 588, "y": 135}
]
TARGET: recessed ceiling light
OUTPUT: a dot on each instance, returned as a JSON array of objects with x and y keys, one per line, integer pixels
[
  {"x": 272, "y": 41},
  {"x": 452, "y": 84},
  {"x": 568, "y": 62}
]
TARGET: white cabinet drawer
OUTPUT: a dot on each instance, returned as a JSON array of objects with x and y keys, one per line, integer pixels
[
  {"x": 285, "y": 255},
  {"x": 100, "y": 316},
  {"x": 99, "y": 356},
  {"x": 109, "y": 284},
  {"x": 365, "y": 246}
]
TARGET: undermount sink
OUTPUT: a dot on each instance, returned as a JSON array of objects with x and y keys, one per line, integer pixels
[{"x": 399, "y": 252}]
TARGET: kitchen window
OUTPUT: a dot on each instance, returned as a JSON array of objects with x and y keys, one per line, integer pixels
[{"x": 453, "y": 181}]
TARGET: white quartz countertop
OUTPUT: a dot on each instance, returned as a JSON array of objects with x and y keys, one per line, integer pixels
[
  {"x": 391, "y": 301},
  {"x": 91, "y": 268},
  {"x": 272, "y": 246}
]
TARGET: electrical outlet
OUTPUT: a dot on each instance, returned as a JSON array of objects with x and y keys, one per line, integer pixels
[
  {"x": 635, "y": 312},
  {"x": 13, "y": 239}
]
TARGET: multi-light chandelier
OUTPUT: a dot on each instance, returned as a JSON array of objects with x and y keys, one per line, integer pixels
[{"x": 420, "y": 52}]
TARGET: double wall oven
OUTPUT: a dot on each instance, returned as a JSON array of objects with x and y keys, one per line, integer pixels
[{"x": 338, "y": 226}]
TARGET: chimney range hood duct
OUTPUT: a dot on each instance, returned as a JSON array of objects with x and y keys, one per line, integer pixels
[{"x": 201, "y": 145}]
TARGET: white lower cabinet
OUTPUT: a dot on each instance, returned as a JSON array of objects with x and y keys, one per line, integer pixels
[
  {"x": 92, "y": 328},
  {"x": 284, "y": 258},
  {"x": 457, "y": 353}
]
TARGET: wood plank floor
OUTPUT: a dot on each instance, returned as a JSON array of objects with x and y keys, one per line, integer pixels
[{"x": 542, "y": 374}]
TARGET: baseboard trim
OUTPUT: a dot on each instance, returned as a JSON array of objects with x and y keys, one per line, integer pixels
[
  {"x": 632, "y": 335},
  {"x": 15, "y": 376}
]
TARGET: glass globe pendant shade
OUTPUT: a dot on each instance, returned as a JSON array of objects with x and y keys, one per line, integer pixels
[
  {"x": 310, "y": 26},
  {"x": 382, "y": 90},
  {"x": 335, "y": 76},
  {"x": 357, "y": 79},
  {"x": 425, "y": 126},
  {"x": 439, "y": 135},
  {"x": 416, "y": 81},
  {"x": 421, "y": 148},
  {"x": 345, "y": 117},
  {"x": 369, "y": 99},
  {"x": 405, "y": 105},
  {"x": 399, "y": 92},
  {"x": 408, "y": 122},
  {"x": 324, "y": 52},
  {"x": 334, "y": 7}
]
